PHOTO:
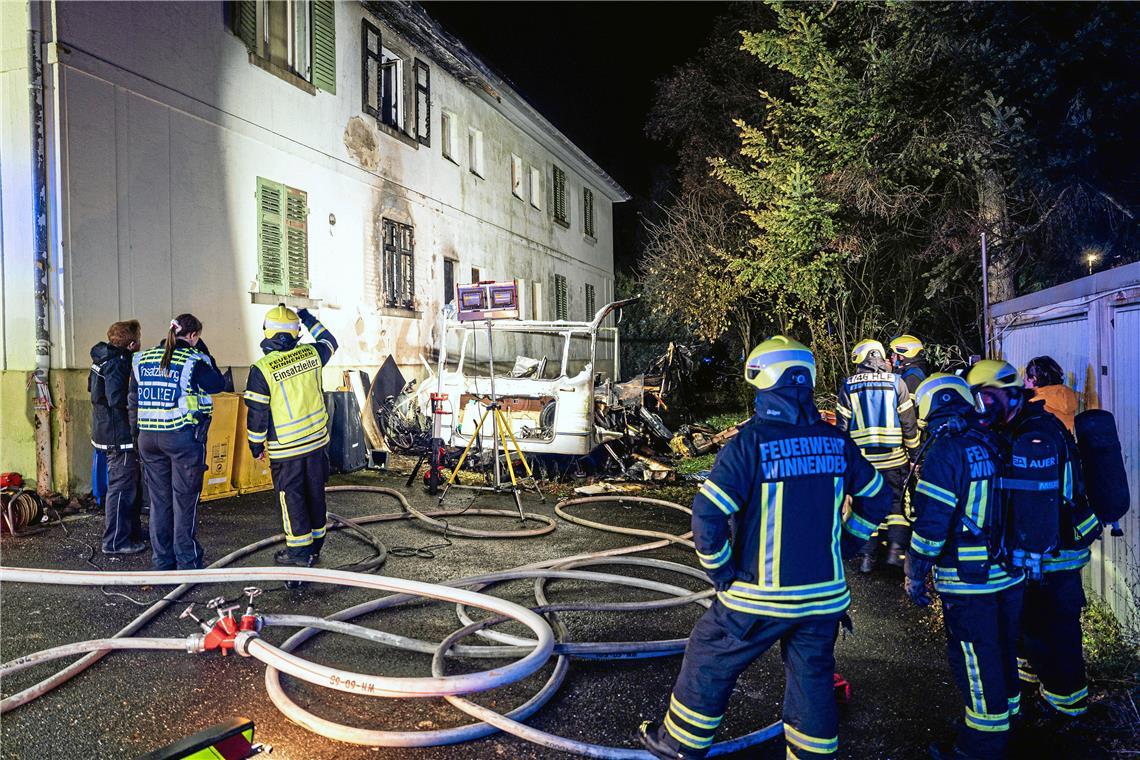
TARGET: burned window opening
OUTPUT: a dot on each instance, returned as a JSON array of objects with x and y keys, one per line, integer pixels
[{"x": 398, "y": 266}]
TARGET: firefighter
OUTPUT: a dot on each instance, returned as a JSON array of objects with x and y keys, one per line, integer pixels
[
  {"x": 1045, "y": 376},
  {"x": 957, "y": 533},
  {"x": 1051, "y": 620},
  {"x": 908, "y": 361},
  {"x": 170, "y": 404},
  {"x": 783, "y": 480},
  {"x": 876, "y": 408},
  {"x": 286, "y": 417}
]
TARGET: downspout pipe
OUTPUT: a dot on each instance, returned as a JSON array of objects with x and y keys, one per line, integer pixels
[{"x": 40, "y": 388}]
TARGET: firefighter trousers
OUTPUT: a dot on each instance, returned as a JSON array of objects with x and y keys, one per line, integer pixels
[
  {"x": 896, "y": 528},
  {"x": 725, "y": 642},
  {"x": 299, "y": 483},
  {"x": 1050, "y": 653},
  {"x": 981, "y": 644}
]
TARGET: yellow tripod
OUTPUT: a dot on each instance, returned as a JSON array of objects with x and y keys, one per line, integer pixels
[{"x": 503, "y": 437}]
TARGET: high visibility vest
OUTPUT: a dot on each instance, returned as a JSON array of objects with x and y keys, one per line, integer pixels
[
  {"x": 296, "y": 401},
  {"x": 166, "y": 402}
]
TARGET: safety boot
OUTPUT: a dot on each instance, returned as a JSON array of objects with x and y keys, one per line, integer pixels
[
  {"x": 283, "y": 557},
  {"x": 867, "y": 563},
  {"x": 652, "y": 736},
  {"x": 896, "y": 554}
]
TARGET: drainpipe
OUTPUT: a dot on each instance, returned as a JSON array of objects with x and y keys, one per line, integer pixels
[{"x": 41, "y": 389}]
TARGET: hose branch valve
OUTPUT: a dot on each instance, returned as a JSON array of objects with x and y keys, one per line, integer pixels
[
  {"x": 250, "y": 620},
  {"x": 220, "y": 633}
]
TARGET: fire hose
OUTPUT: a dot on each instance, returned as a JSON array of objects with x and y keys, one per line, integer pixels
[{"x": 532, "y": 653}]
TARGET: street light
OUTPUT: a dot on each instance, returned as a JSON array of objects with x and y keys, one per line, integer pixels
[{"x": 1091, "y": 258}]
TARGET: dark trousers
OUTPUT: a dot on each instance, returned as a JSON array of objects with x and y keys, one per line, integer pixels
[
  {"x": 122, "y": 524},
  {"x": 725, "y": 642},
  {"x": 300, "y": 486},
  {"x": 1051, "y": 641},
  {"x": 173, "y": 464},
  {"x": 981, "y": 644},
  {"x": 896, "y": 527}
]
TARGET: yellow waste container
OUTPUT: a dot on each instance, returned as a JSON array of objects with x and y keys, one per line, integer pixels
[
  {"x": 216, "y": 483},
  {"x": 250, "y": 475}
]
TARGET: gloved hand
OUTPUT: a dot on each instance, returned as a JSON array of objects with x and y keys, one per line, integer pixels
[
  {"x": 917, "y": 568},
  {"x": 257, "y": 449},
  {"x": 306, "y": 316},
  {"x": 722, "y": 586}
]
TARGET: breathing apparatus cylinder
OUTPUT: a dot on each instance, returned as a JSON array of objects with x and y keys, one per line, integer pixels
[
  {"x": 1106, "y": 482},
  {"x": 1031, "y": 491}
]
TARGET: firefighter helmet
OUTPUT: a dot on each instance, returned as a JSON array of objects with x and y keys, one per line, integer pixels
[
  {"x": 281, "y": 319},
  {"x": 993, "y": 373},
  {"x": 941, "y": 389},
  {"x": 907, "y": 345},
  {"x": 864, "y": 348},
  {"x": 780, "y": 362}
]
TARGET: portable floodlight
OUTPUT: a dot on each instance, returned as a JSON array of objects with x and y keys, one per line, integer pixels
[{"x": 481, "y": 301}]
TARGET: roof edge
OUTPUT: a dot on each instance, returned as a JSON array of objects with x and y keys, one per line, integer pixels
[
  {"x": 1108, "y": 280},
  {"x": 412, "y": 20}
]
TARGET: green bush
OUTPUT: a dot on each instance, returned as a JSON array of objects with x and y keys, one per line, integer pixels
[{"x": 1109, "y": 654}]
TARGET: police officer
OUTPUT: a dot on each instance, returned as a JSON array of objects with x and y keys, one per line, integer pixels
[
  {"x": 957, "y": 533},
  {"x": 170, "y": 400},
  {"x": 876, "y": 408},
  {"x": 286, "y": 416},
  {"x": 908, "y": 361},
  {"x": 1051, "y": 619},
  {"x": 783, "y": 479},
  {"x": 111, "y": 431}
]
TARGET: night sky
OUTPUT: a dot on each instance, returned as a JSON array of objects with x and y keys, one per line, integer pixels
[{"x": 590, "y": 69}]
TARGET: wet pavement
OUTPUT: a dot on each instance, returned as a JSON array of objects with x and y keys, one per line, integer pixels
[{"x": 133, "y": 702}]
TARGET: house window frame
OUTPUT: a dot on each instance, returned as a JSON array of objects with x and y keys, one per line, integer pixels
[
  {"x": 517, "y": 177},
  {"x": 561, "y": 298},
  {"x": 559, "y": 206},
  {"x": 589, "y": 222},
  {"x": 535, "y": 188},
  {"x": 476, "y": 158},
  {"x": 591, "y": 301},
  {"x": 449, "y": 135},
  {"x": 284, "y": 225},
  {"x": 309, "y": 60},
  {"x": 397, "y": 265}
]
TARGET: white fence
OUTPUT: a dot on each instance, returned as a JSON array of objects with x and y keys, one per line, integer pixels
[{"x": 1092, "y": 328}]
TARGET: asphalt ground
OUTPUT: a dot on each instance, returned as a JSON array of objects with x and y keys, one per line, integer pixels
[{"x": 133, "y": 702}]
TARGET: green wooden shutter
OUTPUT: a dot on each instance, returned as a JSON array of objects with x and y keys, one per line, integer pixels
[
  {"x": 560, "y": 306},
  {"x": 588, "y": 211},
  {"x": 324, "y": 45},
  {"x": 245, "y": 23},
  {"x": 270, "y": 237},
  {"x": 297, "y": 242}
]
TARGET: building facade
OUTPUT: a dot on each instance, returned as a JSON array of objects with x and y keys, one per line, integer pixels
[
  {"x": 221, "y": 157},
  {"x": 1090, "y": 327}
]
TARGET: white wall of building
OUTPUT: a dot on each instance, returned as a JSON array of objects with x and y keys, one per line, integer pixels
[{"x": 164, "y": 126}]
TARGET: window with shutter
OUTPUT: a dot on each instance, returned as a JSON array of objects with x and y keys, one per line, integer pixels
[
  {"x": 270, "y": 237},
  {"x": 398, "y": 264},
  {"x": 282, "y": 239},
  {"x": 245, "y": 23},
  {"x": 588, "y": 211},
  {"x": 297, "y": 241},
  {"x": 370, "y": 68},
  {"x": 560, "y": 306},
  {"x": 324, "y": 45},
  {"x": 591, "y": 307},
  {"x": 423, "y": 102},
  {"x": 558, "y": 194}
]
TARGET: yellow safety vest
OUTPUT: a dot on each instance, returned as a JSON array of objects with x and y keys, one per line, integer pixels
[{"x": 296, "y": 401}]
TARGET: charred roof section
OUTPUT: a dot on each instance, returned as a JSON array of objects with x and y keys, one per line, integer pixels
[{"x": 412, "y": 21}]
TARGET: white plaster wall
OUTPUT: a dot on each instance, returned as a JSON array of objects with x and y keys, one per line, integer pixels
[{"x": 165, "y": 126}]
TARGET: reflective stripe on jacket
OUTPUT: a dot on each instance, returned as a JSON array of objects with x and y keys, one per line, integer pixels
[
  {"x": 785, "y": 486},
  {"x": 878, "y": 412},
  {"x": 167, "y": 399},
  {"x": 289, "y": 382}
]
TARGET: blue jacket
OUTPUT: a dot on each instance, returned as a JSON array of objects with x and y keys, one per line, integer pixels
[
  {"x": 957, "y": 510},
  {"x": 785, "y": 486},
  {"x": 876, "y": 408}
]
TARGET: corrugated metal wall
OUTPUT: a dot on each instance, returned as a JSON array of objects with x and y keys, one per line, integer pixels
[{"x": 1097, "y": 341}]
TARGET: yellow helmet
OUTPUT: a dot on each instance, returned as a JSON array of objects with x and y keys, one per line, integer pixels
[
  {"x": 907, "y": 345},
  {"x": 994, "y": 373},
  {"x": 769, "y": 363},
  {"x": 940, "y": 389},
  {"x": 864, "y": 348},
  {"x": 281, "y": 319}
]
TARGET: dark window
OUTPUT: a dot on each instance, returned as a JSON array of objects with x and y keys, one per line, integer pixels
[
  {"x": 399, "y": 266},
  {"x": 559, "y": 197},
  {"x": 448, "y": 280},
  {"x": 588, "y": 212},
  {"x": 382, "y": 75},
  {"x": 423, "y": 102},
  {"x": 475, "y": 275},
  {"x": 590, "y": 305},
  {"x": 560, "y": 310}
]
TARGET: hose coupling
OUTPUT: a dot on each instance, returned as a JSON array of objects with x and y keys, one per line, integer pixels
[
  {"x": 195, "y": 643},
  {"x": 241, "y": 642}
]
